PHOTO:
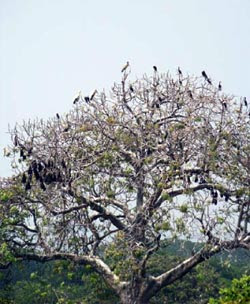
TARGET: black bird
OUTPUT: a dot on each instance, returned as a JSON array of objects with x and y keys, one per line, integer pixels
[
  {"x": 37, "y": 176},
  {"x": 179, "y": 71},
  {"x": 15, "y": 140},
  {"x": 227, "y": 196},
  {"x": 190, "y": 94},
  {"x": 155, "y": 68},
  {"x": 58, "y": 116},
  {"x": 39, "y": 167},
  {"x": 27, "y": 186},
  {"x": 131, "y": 88},
  {"x": 219, "y": 86},
  {"x": 24, "y": 178},
  {"x": 22, "y": 154},
  {"x": 42, "y": 186},
  {"x": 202, "y": 181},
  {"x": 203, "y": 73},
  {"x": 34, "y": 165},
  {"x": 224, "y": 104},
  {"x": 86, "y": 98},
  {"x": 66, "y": 129},
  {"x": 30, "y": 172},
  {"x": 93, "y": 95},
  {"x": 77, "y": 98},
  {"x": 63, "y": 164},
  {"x": 245, "y": 101},
  {"x": 214, "y": 201},
  {"x": 48, "y": 179},
  {"x": 30, "y": 151}
]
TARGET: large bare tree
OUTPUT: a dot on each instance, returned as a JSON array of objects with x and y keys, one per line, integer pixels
[{"x": 158, "y": 158}]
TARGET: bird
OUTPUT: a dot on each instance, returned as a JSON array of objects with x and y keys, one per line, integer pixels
[
  {"x": 42, "y": 186},
  {"x": 40, "y": 167},
  {"x": 245, "y": 101},
  {"x": 220, "y": 86},
  {"x": 190, "y": 94},
  {"x": 125, "y": 67},
  {"x": 58, "y": 116},
  {"x": 131, "y": 88},
  {"x": 30, "y": 171},
  {"x": 179, "y": 71},
  {"x": 66, "y": 129},
  {"x": 214, "y": 201},
  {"x": 86, "y": 98},
  {"x": 93, "y": 95},
  {"x": 24, "y": 179},
  {"x": 63, "y": 164},
  {"x": 15, "y": 140},
  {"x": 77, "y": 98},
  {"x": 155, "y": 68},
  {"x": 27, "y": 186},
  {"x": 203, "y": 73}
]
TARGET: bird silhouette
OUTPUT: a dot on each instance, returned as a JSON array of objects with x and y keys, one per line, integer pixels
[
  {"x": 179, "y": 71},
  {"x": 203, "y": 73},
  {"x": 93, "y": 95},
  {"x": 245, "y": 101},
  {"x": 219, "y": 86},
  {"x": 86, "y": 98},
  {"x": 125, "y": 67},
  {"x": 77, "y": 98},
  {"x": 15, "y": 140},
  {"x": 24, "y": 178},
  {"x": 58, "y": 116},
  {"x": 155, "y": 68},
  {"x": 190, "y": 94}
]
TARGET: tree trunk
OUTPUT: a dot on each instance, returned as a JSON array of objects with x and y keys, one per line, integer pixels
[
  {"x": 130, "y": 297},
  {"x": 135, "y": 293}
]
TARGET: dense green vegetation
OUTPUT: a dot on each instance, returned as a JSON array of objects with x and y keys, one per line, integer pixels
[
  {"x": 237, "y": 293},
  {"x": 63, "y": 282}
]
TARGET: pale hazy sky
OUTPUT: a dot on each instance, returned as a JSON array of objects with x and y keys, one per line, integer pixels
[{"x": 51, "y": 49}]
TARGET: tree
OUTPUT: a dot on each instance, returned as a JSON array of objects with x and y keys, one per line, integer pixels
[
  {"x": 157, "y": 158},
  {"x": 239, "y": 292}
]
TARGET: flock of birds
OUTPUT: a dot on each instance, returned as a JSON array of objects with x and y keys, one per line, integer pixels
[
  {"x": 87, "y": 99},
  {"x": 40, "y": 170}
]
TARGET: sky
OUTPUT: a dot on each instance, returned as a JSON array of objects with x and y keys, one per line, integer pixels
[{"x": 51, "y": 49}]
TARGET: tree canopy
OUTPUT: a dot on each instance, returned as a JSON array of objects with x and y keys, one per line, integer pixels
[{"x": 157, "y": 158}]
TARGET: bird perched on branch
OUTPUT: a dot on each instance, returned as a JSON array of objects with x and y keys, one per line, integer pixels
[
  {"x": 203, "y": 73},
  {"x": 245, "y": 101},
  {"x": 220, "y": 86},
  {"x": 179, "y": 71},
  {"x": 77, "y": 98},
  {"x": 125, "y": 67},
  {"x": 86, "y": 98},
  {"x": 93, "y": 95},
  {"x": 155, "y": 68}
]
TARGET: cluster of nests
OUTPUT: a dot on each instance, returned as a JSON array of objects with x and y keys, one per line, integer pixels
[{"x": 44, "y": 173}]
